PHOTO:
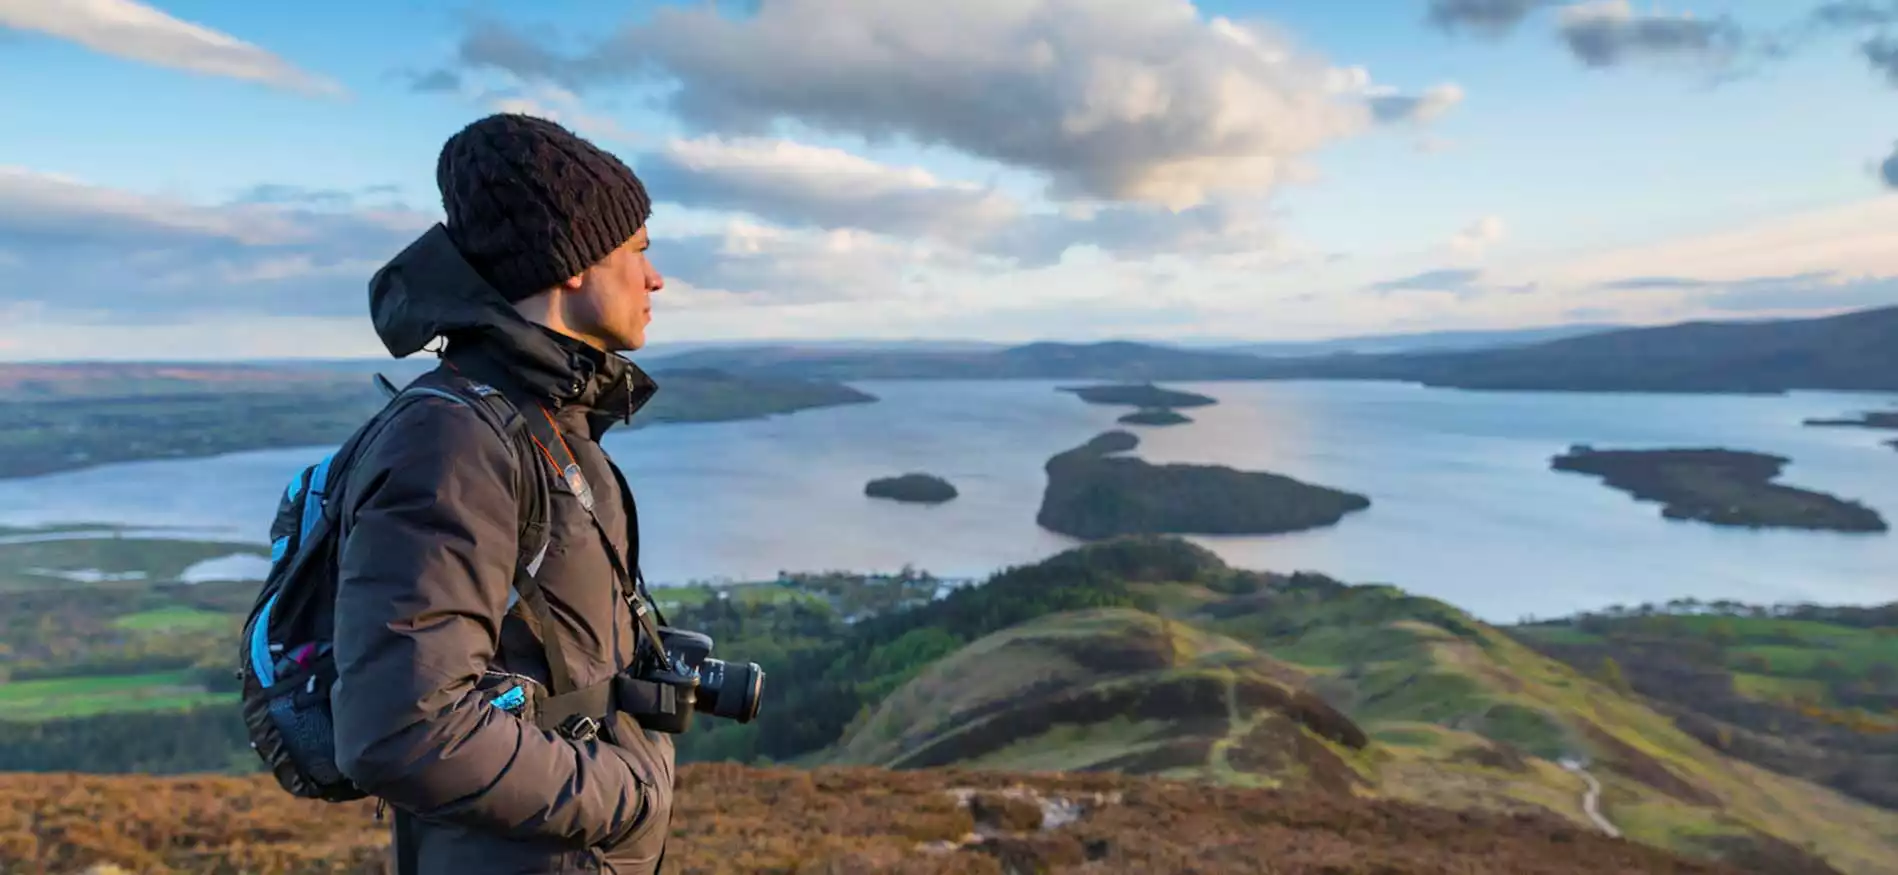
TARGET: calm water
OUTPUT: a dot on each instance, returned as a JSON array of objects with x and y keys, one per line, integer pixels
[{"x": 1464, "y": 506}]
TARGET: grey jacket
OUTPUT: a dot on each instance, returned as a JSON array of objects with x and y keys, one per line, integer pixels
[{"x": 422, "y": 612}]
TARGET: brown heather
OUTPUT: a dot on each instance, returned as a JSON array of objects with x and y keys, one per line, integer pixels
[{"x": 735, "y": 819}]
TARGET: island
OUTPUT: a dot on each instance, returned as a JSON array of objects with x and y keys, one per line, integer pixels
[
  {"x": 1094, "y": 493},
  {"x": 1886, "y": 419},
  {"x": 63, "y": 417},
  {"x": 1721, "y": 487},
  {"x": 1155, "y": 416},
  {"x": 912, "y": 488},
  {"x": 1143, "y": 395}
]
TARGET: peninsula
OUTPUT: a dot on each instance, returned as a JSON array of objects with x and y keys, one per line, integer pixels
[
  {"x": 63, "y": 417},
  {"x": 1092, "y": 493},
  {"x": 1720, "y": 487}
]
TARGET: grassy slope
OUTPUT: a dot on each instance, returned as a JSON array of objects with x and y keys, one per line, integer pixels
[
  {"x": 1776, "y": 659},
  {"x": 1660, "y": 784},
  {"x": 1104, "y": 689},
  {"x": 1461, "y": 715}
]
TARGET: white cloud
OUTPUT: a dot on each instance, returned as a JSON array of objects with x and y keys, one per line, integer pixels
[
  {"x": 132, "y": 257},
  {"x": 1128, "y": 101},
  {"x": 750, "y": 263},
  {"x": 800, "y": 186},
  {"x": 560, "y": 105},
  {"x": 138, "y": 32},
  {"x": 794, "y": 183},
  {"x": 1855, "y": 239},
  {"x": 1479, "y": 236}
]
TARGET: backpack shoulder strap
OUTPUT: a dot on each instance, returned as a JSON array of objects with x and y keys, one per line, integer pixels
[{"x": 494, "y": 408}]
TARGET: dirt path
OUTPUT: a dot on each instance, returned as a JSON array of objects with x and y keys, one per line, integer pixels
[{"x": 1591, "y": 798}]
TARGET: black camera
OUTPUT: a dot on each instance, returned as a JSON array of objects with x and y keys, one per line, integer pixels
[
  {"x": 663, "y": 699},
  {"x": 728, "y": 690}
]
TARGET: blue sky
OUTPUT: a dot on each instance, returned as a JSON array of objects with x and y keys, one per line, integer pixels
[{"x": 193, "y": 178}]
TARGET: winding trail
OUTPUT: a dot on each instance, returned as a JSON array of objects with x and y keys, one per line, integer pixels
[{"x": 1591, "y": 799}]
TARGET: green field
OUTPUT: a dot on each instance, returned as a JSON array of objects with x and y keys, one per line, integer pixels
[
  {"x": 179, "y": 619},
  {"x": 115, "y": 562},
  {"x": 87, "y": 696}
]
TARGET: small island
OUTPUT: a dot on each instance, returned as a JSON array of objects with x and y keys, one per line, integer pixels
[
  {"x": 1143, "y": 395},
  {"x": 1093, "y": 493},
  {"x": 912, "y": 488},
  {"x": 1720, "y": 487},
  {"x": 1155, "y": 416}
]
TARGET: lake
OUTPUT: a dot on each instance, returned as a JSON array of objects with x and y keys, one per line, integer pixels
[{"x": 1464, "y": 508}]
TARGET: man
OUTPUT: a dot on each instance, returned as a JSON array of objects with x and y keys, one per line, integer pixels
[{"x": 538, "y": 277}]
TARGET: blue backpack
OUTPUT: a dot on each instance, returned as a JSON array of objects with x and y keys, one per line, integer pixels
[{"x": 284, "y": 659}]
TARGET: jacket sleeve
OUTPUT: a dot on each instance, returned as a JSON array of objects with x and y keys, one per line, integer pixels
[{"x": 425, "y": 568}]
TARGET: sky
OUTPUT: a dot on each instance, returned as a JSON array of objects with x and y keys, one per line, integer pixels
[{"x": 211, "y": 179}]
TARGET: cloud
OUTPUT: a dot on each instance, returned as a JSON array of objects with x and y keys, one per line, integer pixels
[
  {"x": 1478, "y": 237},
  {"x": 75, "y": 247},
  {"x": 1485, "y": 17},
  {"x": 1142, "y": 102},
  {"x": 750, "y": 264},
  {"x": 1420, "y": 108},
  {"x": 278, "y": 193},
  {"x": 1882, "y": 53},
  {"x": 558, "y": 104},
  {"x": 793, "y": 183},
  {"x": 1844, "y": 14},
  {"x": 138, "y": 32},
  {"x": 799, "y": 185},
  {"x": 1889, "y": 170},
  {"x": 1605, "y": 33},
  {"x": 1459, "y": 281},
  {"x": 1818, "y": 291},
  {"x": 1668, "y": 283},
  {"x": 1643, "y": 283},
  {"x": 437, "y": 81},
  {"x": 1811, "y": 290}
]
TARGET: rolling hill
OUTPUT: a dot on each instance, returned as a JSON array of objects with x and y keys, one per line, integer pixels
[
  {"x": 1851, "y": 351},
  {"x": 1244, "y": 679},
  {"x": 1338, "y": 728}
]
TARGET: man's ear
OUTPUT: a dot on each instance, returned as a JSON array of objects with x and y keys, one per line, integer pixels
[{"x": 573, "y": 283}]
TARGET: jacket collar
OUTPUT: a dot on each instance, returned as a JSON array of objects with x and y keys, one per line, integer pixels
[{"x": 429, "y": 290}]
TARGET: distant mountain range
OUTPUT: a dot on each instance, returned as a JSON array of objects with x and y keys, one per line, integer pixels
[{"x": 1850, "y": 351}]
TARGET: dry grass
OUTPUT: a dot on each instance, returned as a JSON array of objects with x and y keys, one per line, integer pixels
[{"x": 735, "y": 819}]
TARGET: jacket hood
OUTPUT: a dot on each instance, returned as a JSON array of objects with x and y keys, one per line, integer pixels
[{"x": 429, "y": 290}]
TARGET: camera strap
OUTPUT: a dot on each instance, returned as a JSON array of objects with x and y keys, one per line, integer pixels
[{"x": 547, "y": 438}]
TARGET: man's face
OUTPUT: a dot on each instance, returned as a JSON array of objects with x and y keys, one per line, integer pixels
[{"x": 614, "y": 302}]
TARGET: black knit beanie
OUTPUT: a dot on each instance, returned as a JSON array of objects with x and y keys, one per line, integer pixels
[{"x": 530, "y": 203}]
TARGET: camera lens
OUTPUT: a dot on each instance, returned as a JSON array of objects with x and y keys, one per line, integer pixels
[{"x": 730, "y": 690}]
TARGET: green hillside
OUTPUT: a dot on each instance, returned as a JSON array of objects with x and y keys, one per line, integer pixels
[
  {"x": 1801, "y": 689},
  {"x": 1224, "y": 675},
  {"x": 1112, "y": 689},
  {"x": 1142, "y": 655}
]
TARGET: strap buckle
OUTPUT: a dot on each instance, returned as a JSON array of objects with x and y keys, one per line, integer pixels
[{"x": 580, "y": 727}]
